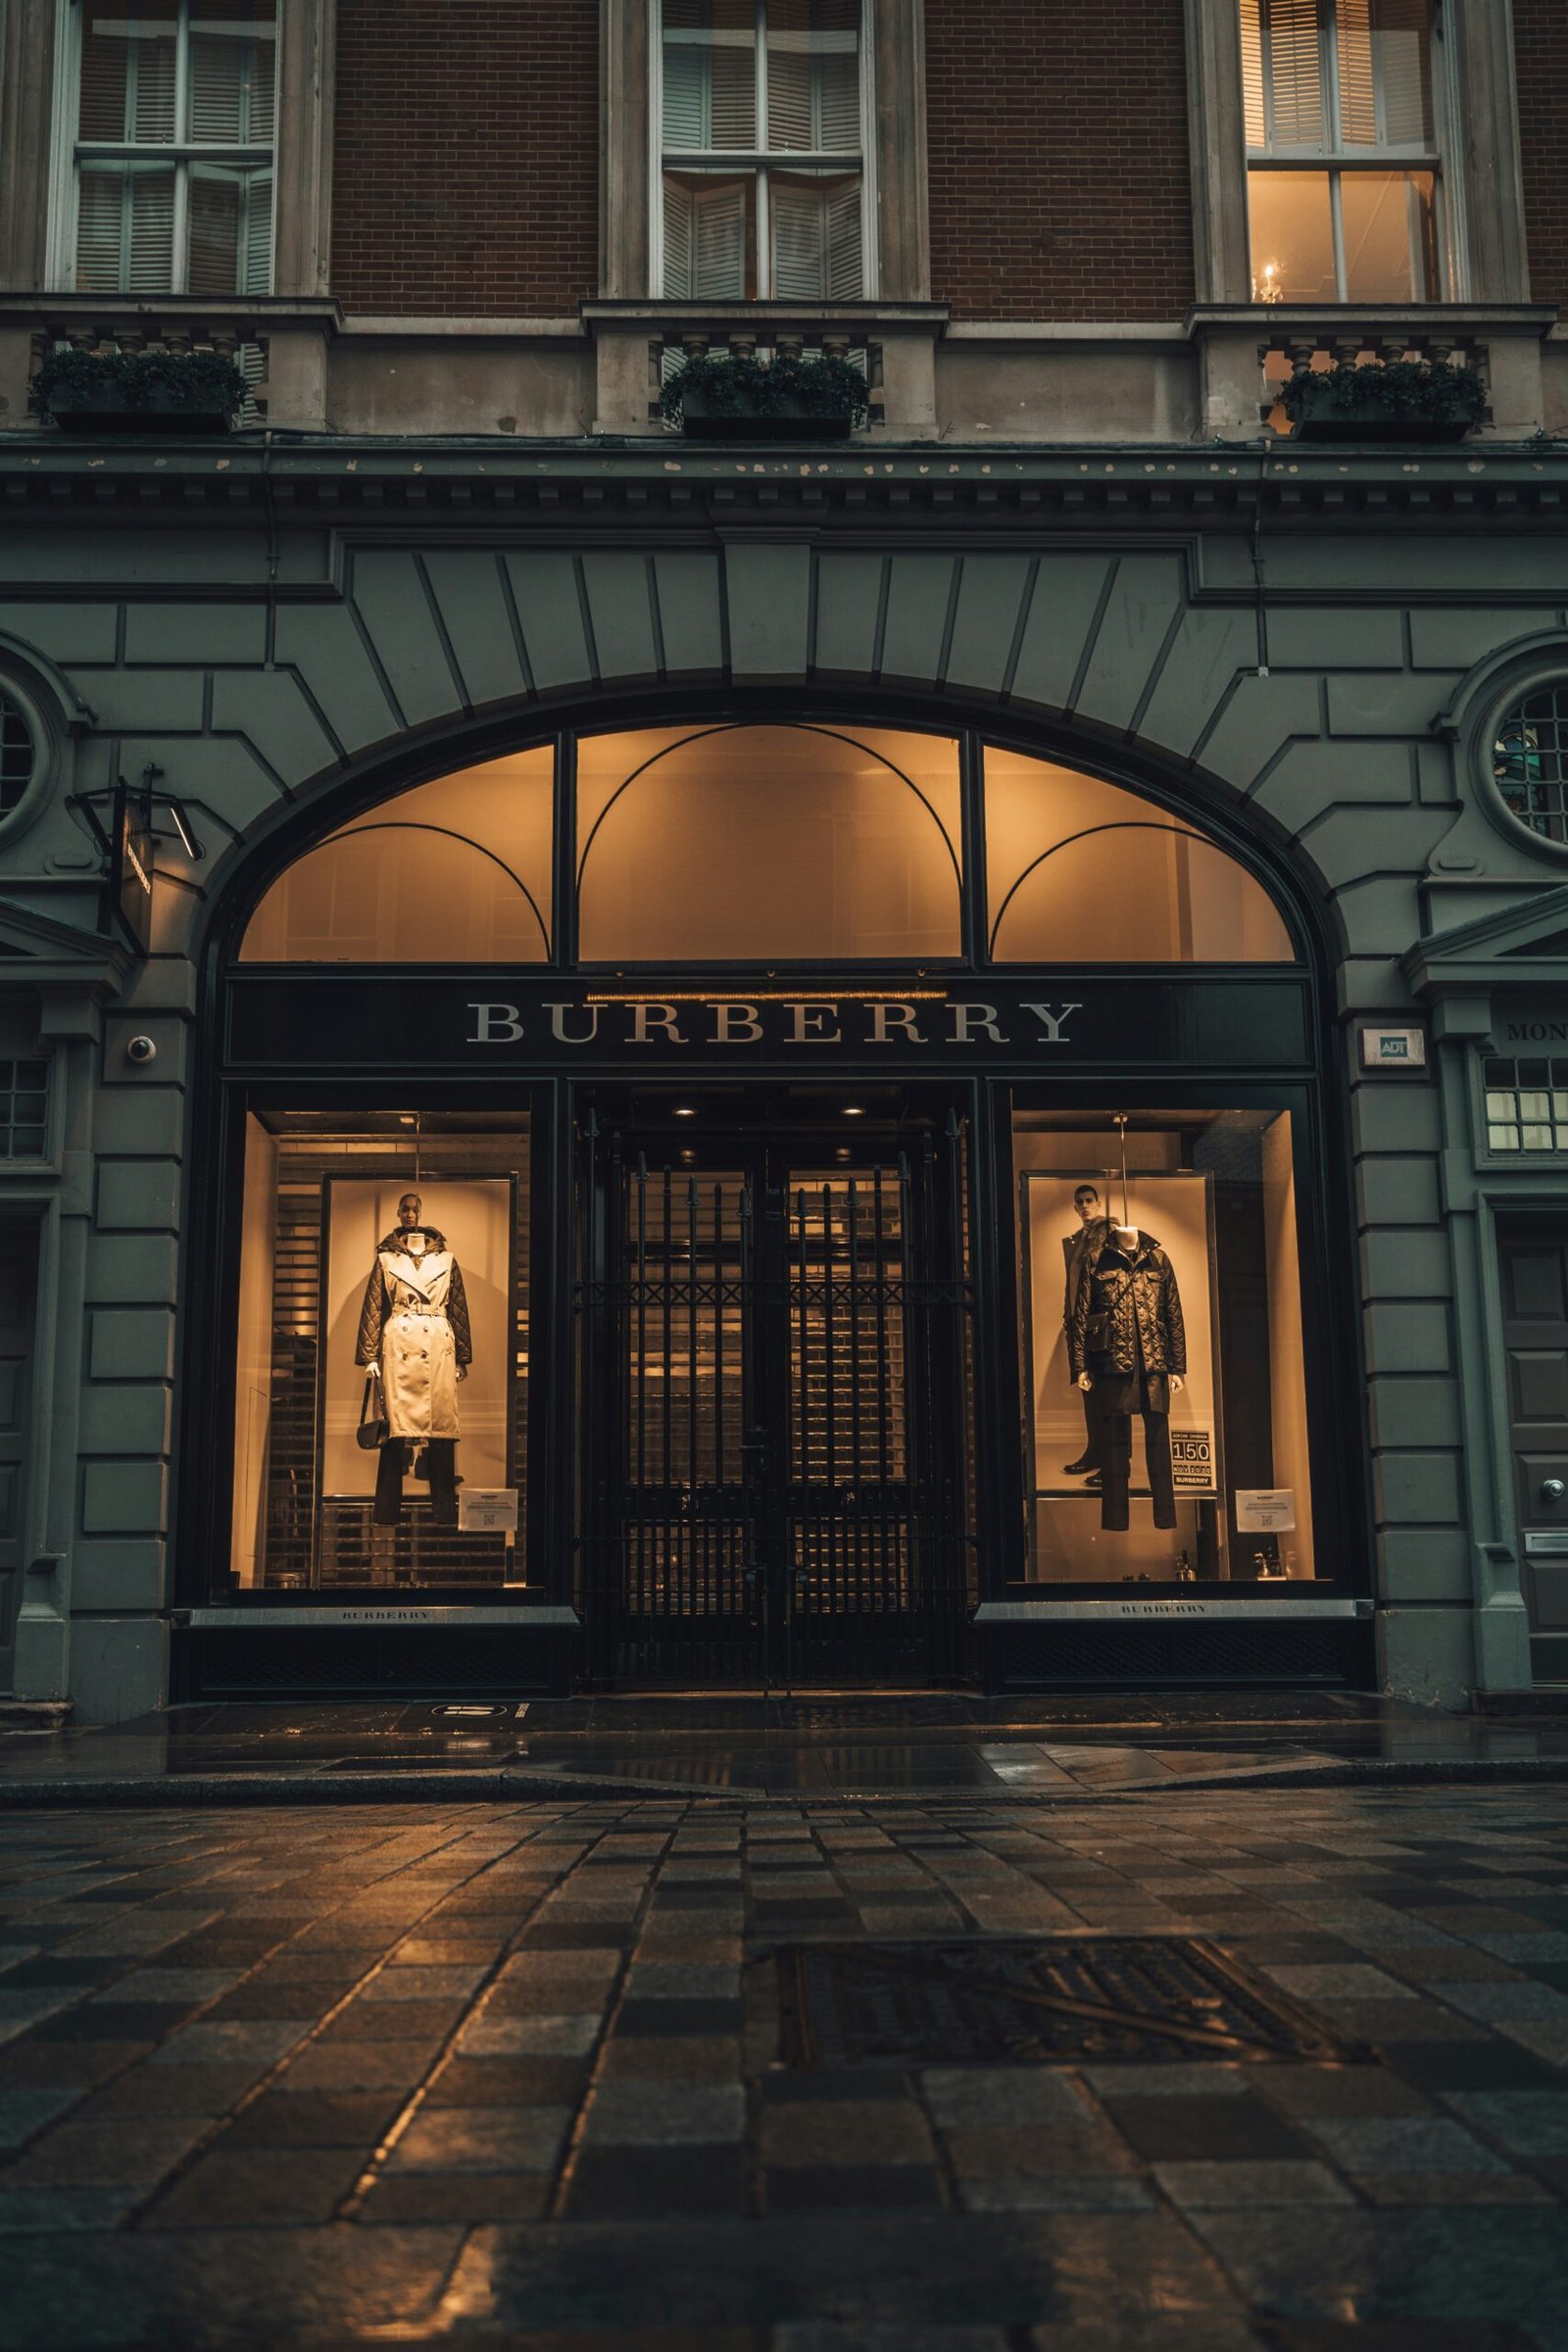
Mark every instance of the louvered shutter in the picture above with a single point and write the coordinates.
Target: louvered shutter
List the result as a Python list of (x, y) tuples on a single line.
[(152, 75), (797, 218), (1294, 73), (718, 244), (687, 112), (105, 80), (790, 125), (216, 198), (1252, 105), (100, 227), (1402, 63), (846, 271), (839, 99), (813, 75), (217, 88), (679, 210), (256, 242), (151, 258), (262, 92), (733, 106)]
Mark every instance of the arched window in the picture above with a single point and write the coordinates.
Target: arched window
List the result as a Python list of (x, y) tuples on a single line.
[(456, 871), (1080, 871), (741, 843)]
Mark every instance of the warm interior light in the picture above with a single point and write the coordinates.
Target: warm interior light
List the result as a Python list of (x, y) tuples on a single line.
[(853, 1110), (684, 1111)]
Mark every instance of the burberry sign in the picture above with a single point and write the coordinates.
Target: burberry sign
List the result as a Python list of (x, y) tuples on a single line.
[(493, 1021), (923, 1018)]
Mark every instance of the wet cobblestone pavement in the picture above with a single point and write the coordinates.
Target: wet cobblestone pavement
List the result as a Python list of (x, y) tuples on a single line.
[(919, 1743), (487, 2073)]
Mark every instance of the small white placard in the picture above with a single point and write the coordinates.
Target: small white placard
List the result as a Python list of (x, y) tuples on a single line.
[(487, 1510), (1192, 1461), (1266, 1511), (1394, 1048)]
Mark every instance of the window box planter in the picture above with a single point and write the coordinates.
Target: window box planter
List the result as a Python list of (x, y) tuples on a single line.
[(1411, 402), (141, 392), (715, 399)]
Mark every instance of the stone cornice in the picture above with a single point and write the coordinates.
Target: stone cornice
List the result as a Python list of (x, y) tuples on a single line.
[(769, 489)]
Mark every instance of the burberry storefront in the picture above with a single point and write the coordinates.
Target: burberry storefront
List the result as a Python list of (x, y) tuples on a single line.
[(768, 1199)]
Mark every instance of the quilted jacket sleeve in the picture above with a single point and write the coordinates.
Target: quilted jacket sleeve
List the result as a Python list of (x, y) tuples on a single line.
[(1171, 1299), (373, 1315), (457, 1315)]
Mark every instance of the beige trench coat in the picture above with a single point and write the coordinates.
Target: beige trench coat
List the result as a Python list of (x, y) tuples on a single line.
[(415, 1324)]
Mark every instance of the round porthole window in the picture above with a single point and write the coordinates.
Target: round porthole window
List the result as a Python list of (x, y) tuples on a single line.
[(1530, 762), (19, 755)]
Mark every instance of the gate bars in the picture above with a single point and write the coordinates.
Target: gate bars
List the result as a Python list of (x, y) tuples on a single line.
[(774, 1413)]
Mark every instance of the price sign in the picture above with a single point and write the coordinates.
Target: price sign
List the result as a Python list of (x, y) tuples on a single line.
[(1192, 1461)]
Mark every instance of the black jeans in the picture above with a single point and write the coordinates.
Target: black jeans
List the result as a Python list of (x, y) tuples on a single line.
[(1120, 1397), (438, 1463)]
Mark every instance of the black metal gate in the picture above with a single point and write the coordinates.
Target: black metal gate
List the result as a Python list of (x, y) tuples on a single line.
[(774, 1368)]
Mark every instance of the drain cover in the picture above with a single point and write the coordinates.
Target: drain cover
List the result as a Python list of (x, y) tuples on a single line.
[(1069, 1999)]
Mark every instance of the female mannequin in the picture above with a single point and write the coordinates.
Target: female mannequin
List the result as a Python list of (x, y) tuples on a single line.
[(413, 1326)]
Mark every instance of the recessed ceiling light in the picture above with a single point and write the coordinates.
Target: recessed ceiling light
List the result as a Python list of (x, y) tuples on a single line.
[(853, 1110), (684, 1111)]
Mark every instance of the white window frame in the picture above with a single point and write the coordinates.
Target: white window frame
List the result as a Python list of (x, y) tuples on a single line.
[(1334, 159), (731, 163), (68, 150)]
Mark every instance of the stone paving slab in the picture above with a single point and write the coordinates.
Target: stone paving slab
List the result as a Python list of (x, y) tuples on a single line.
[(437, 2074)]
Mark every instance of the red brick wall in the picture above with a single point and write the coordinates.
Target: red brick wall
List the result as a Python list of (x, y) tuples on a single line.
[(1058, 158), (466, 162), (1541, 39)]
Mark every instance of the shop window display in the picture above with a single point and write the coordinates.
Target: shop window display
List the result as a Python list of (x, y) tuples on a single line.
[(1164, 1374), (383, 1353)]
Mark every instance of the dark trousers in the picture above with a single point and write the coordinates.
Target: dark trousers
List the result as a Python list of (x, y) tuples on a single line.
[(438, 1463), (1091, 1455), (1120, 1398)]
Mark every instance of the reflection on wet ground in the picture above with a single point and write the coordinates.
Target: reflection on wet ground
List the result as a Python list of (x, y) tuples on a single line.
[(816, 1744)]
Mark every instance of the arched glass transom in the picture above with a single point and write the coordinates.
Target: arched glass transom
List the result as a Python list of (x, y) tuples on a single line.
[(734, 844)]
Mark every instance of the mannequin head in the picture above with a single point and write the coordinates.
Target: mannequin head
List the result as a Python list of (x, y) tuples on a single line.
[(409, 1208), (1086, 1202)]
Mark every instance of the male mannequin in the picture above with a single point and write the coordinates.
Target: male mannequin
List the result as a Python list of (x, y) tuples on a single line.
[(414, 1327), (1077, 1249), (1128, 1347)]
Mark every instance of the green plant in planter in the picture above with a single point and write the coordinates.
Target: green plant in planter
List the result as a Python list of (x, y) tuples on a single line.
[(195, 383), (722, 390), (1430, 393)]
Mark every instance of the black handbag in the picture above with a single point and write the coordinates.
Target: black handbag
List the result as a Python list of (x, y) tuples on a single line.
[(374, 1427)]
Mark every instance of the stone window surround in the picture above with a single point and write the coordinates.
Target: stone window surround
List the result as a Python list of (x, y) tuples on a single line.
[(896, 157), (1488, 237), (30, 137)]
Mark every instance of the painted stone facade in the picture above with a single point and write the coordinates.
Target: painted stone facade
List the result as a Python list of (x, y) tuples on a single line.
[(1319, 646)]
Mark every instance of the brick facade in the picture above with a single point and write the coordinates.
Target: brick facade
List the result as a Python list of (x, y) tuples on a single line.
[(466, 161), (1059, 154), (1540, 37)]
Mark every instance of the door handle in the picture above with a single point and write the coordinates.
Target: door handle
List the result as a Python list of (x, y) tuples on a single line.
[(1553, 1489)]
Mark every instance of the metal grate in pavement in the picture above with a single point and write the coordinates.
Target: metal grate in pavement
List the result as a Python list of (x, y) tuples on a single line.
[(1059, 2000)]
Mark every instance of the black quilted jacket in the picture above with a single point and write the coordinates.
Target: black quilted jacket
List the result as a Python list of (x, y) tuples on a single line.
[(1124, 1301)]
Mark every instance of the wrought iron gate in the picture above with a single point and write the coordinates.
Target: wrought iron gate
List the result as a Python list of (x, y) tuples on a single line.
[(774, 1363)]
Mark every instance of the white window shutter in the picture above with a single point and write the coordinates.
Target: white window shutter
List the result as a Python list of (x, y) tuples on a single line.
[(256, 243), (262, 110), (105, 105), (214, 217), (679, 210), (1253, 107), (217, 91), (688, 109), (846, 271), (718, 244), (1294, 69), (791, 122), (152, 73), (733, 106), (798, 216), (100, 225), (1402, 62), (839, 101), (150, 267)]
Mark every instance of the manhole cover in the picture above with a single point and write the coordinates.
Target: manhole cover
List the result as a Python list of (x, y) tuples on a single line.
[(1070, 1998)]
